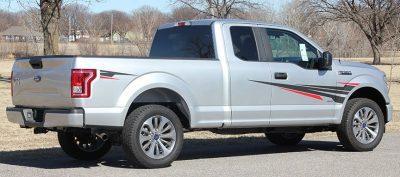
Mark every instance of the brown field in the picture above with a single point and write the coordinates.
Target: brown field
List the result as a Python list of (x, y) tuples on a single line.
[(14, 138), (384, 60)]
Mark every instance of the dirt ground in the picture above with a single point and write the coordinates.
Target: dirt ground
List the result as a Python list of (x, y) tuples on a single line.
[(14, 138), (5, 67)]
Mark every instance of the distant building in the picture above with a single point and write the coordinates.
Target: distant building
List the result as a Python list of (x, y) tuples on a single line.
[(78, 35), (116, 38), (20, 34)]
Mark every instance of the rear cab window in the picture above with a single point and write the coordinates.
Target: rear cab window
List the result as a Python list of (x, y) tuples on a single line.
[(184, 42), (244, 43)]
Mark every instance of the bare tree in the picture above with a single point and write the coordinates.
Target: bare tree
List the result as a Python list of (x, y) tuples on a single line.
[(394, 48), (121, 22), (146, 21), (8, 19), (220, 8), (298, 14), (94, 25), (183, 13), (50, 15), (74, 17), (261, 14), (371, 16)]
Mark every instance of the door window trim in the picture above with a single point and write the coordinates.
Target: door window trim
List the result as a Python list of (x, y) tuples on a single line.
[(267, 45), (259, 42)]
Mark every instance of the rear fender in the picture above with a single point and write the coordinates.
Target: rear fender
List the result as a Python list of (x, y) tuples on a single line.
[(156, 80)]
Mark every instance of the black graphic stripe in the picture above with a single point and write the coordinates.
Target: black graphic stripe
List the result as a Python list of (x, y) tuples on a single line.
[(112, 73), (328, 90), (335, 98), (346, 88)]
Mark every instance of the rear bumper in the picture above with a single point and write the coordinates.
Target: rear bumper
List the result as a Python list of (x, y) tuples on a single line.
[(48, 118)]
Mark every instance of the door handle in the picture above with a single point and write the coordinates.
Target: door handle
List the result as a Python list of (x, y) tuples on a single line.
[(281, 76)]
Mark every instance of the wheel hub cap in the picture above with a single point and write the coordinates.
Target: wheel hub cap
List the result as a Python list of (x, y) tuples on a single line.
[(157, 137), (365, 125)]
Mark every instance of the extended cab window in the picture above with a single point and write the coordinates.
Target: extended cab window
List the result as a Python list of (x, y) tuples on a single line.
[(288, 47), (183, 42), (244, 43)]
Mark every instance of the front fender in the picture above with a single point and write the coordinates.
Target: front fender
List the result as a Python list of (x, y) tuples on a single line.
[(363, 81), (369, 81)]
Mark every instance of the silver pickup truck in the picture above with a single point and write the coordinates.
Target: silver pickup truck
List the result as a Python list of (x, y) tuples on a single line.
[(225, 76)]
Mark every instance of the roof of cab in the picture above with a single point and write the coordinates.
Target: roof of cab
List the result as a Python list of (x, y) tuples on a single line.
[(241, 21), (210, 21)]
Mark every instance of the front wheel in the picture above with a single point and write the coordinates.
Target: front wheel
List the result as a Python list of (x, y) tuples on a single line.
[(83, 146), (362, 125), (285, 139)]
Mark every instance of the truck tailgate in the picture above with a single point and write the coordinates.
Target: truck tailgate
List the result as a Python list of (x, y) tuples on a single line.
[(42, 82)]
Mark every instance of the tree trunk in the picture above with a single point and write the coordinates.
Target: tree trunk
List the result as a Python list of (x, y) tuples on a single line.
[(377, 54), (50, 17)]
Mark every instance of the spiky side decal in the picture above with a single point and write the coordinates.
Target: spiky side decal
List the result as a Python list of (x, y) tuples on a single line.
[(110, 74), (317, 92)]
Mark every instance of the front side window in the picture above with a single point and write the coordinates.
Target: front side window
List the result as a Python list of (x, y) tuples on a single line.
[(290, 48), (195, 42), (244, 43)]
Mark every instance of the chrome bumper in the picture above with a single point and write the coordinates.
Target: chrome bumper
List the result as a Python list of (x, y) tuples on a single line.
[(48, 118)]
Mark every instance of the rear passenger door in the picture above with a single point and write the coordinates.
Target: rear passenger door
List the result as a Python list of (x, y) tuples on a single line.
[(301, 92), (250, 101)]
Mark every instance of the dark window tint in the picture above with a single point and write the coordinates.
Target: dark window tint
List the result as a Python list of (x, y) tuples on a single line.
[(244, 44), (288, 47), (183, 42)]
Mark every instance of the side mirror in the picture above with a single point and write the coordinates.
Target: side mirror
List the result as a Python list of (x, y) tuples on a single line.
[(326, 61)]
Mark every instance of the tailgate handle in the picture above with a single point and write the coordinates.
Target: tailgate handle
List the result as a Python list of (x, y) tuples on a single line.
[(36, 63)]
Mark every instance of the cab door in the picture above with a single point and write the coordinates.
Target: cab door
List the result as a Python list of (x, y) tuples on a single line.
[(250, 101), (302, 94)]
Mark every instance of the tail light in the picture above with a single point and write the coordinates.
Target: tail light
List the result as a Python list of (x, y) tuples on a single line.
[(12, 83), (81, 80)]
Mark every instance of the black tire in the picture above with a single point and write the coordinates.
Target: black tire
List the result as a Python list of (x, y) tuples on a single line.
[(345, 130), (131, 133), (285, 139), (69, 144)]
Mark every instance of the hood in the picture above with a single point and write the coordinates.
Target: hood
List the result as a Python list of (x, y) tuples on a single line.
[(354, 64)]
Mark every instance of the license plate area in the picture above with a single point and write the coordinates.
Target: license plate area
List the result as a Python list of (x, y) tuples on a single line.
[(33, 115)]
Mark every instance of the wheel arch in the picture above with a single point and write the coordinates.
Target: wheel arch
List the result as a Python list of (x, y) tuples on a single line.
[(162, 89), (165, 97), (372, 94)]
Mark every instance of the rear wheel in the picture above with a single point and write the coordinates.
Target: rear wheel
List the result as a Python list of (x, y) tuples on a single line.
[(152, 136), (285, 139), (83, 146), (362, 125)]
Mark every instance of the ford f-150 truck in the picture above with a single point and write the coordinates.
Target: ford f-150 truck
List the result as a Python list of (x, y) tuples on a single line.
[(225, 76)]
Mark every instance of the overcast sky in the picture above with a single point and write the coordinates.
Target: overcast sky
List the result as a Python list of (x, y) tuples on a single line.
[(122, 5)]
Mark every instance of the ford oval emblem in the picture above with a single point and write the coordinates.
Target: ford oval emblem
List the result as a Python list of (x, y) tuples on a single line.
[(37, 78)]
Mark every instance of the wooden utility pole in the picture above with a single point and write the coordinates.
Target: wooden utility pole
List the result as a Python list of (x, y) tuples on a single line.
[(111, 28)]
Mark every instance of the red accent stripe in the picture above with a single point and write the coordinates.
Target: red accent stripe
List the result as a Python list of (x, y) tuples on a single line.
[(349, 83), (106, 77), (314, 96)]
